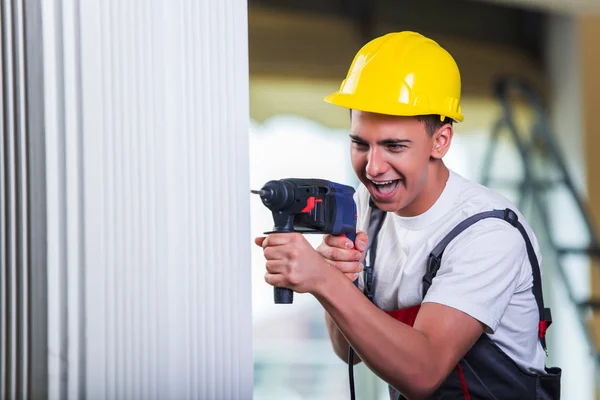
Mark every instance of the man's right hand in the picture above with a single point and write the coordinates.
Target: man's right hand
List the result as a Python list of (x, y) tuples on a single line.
[(344, 255)]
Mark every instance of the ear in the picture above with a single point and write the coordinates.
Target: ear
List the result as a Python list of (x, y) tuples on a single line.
[(441, 141)]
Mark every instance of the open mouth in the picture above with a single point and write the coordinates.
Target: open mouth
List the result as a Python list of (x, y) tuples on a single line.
[(386, 188)]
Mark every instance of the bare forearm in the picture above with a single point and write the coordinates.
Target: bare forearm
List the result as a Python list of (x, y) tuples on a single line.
[(397, 353), (339, 342)]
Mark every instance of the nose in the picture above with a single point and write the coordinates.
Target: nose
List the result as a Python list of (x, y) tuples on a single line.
[(375, 163)]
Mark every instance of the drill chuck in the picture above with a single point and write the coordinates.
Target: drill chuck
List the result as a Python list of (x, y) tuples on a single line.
[(276, 195)]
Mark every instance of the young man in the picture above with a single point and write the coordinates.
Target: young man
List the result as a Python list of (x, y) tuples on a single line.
[(450, 317)]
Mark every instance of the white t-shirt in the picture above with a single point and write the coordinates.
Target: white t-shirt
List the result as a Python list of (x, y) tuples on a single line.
[(485, 271)]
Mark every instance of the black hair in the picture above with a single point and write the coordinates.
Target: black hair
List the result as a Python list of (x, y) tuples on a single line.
[(432, 122)]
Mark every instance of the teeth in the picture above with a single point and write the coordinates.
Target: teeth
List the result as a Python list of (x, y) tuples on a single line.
[(382, 183)]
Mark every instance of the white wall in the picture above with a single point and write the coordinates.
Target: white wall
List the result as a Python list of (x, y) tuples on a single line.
[(146, 119)]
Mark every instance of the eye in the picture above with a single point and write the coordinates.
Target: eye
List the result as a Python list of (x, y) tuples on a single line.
[(395, 147), (360, 145)]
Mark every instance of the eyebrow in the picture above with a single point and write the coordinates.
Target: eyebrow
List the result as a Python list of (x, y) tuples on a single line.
[(383, 142)]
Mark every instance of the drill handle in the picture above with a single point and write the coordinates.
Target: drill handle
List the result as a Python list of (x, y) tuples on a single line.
[(284, 222), (283, 295)]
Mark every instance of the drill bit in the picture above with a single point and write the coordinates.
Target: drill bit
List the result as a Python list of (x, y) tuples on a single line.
[(258, 192)]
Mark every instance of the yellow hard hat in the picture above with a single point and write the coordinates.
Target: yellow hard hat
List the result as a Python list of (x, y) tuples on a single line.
[(402, 73)]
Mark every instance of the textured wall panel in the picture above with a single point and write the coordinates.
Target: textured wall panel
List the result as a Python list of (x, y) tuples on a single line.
[(14, 199), (148, 215)]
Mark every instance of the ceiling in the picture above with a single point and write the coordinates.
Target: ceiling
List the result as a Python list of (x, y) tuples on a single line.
[(490, 21), (573, 7)]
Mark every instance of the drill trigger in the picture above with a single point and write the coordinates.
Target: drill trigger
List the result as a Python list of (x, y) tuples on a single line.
[(310, 204)]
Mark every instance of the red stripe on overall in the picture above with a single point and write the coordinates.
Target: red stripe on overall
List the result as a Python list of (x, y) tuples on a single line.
[(408, 316)]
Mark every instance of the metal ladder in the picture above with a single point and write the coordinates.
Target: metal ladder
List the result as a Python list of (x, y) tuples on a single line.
[(543, 170)]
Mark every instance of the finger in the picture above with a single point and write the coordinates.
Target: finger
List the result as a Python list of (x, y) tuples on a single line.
[(348, 267), (275, 266), (280, 239), (259, 240), (352, 277), (276, 280), (361, 241), (274, 253), (341, 242), (337, 254), (330, 262)]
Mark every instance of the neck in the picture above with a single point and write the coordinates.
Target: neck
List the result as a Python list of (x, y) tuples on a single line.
[(435, 182)]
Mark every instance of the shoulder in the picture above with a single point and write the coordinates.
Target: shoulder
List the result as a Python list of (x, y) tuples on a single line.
[(474, 198), (491, 244), (489, 238), (480, 271)]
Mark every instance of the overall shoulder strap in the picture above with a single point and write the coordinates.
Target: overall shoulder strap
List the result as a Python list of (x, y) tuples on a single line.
[(375, 223), (435, 258)]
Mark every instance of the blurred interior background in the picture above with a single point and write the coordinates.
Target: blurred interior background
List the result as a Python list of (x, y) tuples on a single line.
[(530, 92), (132, 132)]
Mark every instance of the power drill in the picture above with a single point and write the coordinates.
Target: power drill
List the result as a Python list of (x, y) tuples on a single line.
[(309, 206)]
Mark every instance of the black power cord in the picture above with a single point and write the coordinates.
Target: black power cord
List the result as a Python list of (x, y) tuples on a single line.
[(351, 371)]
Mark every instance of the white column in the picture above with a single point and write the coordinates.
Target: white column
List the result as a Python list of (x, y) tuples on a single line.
[(16, 205), (148, 199)]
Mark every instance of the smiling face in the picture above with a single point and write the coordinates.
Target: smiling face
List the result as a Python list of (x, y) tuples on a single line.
[(399, 161)]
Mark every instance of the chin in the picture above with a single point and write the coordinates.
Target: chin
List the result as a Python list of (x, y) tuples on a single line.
[(388, 206)]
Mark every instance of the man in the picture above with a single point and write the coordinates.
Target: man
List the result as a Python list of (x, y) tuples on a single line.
[(450, 317)]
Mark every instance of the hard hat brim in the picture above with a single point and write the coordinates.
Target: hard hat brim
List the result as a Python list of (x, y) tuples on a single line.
[(399, 109)]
